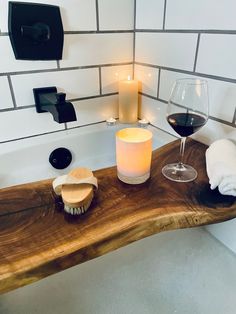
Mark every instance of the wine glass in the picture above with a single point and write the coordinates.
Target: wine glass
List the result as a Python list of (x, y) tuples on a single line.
[(187, 112)]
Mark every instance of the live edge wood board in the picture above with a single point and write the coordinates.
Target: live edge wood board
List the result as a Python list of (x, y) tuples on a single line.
[(38, 239)]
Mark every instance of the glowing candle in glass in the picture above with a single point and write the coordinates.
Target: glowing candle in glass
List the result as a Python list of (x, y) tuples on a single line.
[(133, 155)]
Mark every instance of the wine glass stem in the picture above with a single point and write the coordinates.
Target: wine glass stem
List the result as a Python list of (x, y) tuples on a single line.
[(181, 152)]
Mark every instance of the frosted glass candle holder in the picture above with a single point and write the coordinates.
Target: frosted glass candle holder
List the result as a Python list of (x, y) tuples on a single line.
[(133, 155)]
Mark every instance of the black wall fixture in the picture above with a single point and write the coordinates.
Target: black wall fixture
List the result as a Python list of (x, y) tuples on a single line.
[(36, 31)]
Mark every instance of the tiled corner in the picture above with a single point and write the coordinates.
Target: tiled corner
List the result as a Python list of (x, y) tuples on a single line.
[(112, 75), (75, 83), (148, 78), (95, 110), (201, 14), (216, 55), (77, 15), (166, 49), (116, 15), (149, 14), (8, 63), (90, 49), (222, 95), (26, 122), (5, 94)]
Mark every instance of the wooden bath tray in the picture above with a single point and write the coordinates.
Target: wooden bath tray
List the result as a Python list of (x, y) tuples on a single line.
[(37, 239)]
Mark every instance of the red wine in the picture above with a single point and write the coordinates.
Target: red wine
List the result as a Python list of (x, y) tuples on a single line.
[(186, 124)]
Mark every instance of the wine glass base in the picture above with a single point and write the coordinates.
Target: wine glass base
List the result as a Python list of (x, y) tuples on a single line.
[(179, 173)]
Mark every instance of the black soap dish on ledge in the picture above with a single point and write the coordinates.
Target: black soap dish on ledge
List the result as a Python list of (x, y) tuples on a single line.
[(36, 31)]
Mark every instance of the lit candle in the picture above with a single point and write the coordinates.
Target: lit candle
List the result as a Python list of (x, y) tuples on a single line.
[(111, 121), (143, 123), (128, 101), (133, 155)]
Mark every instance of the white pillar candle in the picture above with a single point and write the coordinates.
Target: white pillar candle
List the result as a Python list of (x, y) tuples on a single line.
[(128, 101), (133, 155)]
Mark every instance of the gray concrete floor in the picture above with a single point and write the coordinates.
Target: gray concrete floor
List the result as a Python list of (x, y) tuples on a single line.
[(183, 271)]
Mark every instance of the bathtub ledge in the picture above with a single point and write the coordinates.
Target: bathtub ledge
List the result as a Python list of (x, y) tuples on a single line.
[(38, 239)]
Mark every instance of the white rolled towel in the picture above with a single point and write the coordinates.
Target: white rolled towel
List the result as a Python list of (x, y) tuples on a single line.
[(221, 166)]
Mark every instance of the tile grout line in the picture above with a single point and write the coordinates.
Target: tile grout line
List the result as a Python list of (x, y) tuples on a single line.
[(71, 100), (100, 80), (234, 118), (66, 69), (17, 108), (52, 132), (89, 32), (12, 92), (147, 30), (120, 31), (158, 83), (164, 15), (97, 14), (186, 31), (196, 54), (222, 121), (93, 97), (210, 76)]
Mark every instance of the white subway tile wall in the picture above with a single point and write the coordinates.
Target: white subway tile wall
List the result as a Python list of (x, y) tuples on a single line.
[(116, 15), (201, 14), (8, 63), (93, 49), (95, 110), (77, 83), (98, 39), (148, 78), (222, 94), (196, 39), (166, 49), (149, 14), (192, 42), (5, 94), (24, 123), (216, 55), (213, 131)]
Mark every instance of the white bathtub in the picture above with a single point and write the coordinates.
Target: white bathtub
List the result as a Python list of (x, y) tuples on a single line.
[(91, 146), (184, 271)]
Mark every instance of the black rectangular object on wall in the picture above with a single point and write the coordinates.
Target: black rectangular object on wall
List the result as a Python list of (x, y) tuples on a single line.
[(36, 31)]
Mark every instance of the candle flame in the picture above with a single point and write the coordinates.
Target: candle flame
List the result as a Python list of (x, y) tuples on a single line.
[(129, 78)]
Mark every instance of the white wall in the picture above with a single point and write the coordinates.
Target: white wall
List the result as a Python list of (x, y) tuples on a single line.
[(98, 51), (188, 38)]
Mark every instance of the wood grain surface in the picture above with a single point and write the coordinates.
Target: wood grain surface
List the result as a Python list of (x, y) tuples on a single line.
[(38, 239)]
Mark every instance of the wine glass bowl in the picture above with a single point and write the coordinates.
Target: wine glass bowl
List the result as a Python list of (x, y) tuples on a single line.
[(187, 112)]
